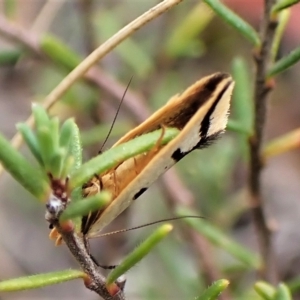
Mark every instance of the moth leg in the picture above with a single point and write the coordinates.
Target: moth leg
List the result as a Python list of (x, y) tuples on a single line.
[(157, 145), (88, 249), (89, 189), (116, 186), (54, 235), (136, 169), (92, 187), (98, 182)]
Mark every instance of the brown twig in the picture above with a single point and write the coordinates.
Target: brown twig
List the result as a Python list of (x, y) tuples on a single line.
[(263, 59), (95, 281)]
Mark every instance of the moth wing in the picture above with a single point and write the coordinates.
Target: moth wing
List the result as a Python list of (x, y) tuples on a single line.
[(200, 113)]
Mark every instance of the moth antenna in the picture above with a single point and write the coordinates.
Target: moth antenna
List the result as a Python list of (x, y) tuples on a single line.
[(115, 117), (133, 228), (145, 225)]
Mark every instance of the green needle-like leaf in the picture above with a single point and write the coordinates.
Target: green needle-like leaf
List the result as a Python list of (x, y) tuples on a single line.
[(75, 146), (140, 252), (114, 156), (85, 206), (234, 20), (31, 141), (283, 20), (56, 162), (29, 177), (284, 63), (54, 129), (220, 239), (59, 52), (46, 145), (265, 290), (282, 293), (41, 117), (214, 291), (40, 280), (283, 4), (66, 133), (235, 126), (242, 97)]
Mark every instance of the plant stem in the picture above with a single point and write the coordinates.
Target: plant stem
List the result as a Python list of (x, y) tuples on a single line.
[(263, 58), (79, 251)]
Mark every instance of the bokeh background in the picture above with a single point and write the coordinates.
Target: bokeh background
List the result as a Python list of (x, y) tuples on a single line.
[(215, 178)]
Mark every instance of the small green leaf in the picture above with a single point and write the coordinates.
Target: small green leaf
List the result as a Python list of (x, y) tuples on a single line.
[(31, 141), (284, 63), (59, 52), (282, 293), (66, 133), (235, 126), (220, 239), (41, 117), (54, 130), (29, 177), (265, 290), (67, 167), (75, 147), (234, 20), (10, 57), (141, 251), (114, 156), (85, 206), (46, 145), (40, 280), (242, 96), (56, 162), (283, 4), (214, 291), (283, 19)]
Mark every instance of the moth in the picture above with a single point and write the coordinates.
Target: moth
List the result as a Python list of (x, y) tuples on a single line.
[(200, 113)]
